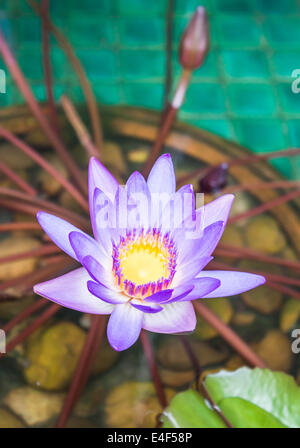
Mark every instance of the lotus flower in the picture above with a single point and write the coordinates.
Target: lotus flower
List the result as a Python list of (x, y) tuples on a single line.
[(142, 268)]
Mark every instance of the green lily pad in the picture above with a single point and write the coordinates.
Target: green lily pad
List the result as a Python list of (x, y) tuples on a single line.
[(258, 398)]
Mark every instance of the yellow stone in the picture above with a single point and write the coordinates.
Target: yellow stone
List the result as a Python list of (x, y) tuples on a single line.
[(34, 407), (12, 307), (264, 234), (105, 358), (275, 350), (134, 405), (173, 356), (243, 318), (14, 157), (53, 354), (48, 183), (112, 156), (222, 308), (8, 420), (289, 314), (15, 245), (232, 236), (263, 299), (138, 155), (176, 379)]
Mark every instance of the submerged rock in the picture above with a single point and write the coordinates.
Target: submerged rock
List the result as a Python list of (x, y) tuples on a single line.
[(263, 299), (34, 406), (289, 315), (222, 308), (8, 420), (264, 234), (134, 405), (53, 354), (275, 350), (48, 183), (15, 245)]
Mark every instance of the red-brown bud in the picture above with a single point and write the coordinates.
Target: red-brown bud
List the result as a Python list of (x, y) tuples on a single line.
[(214, 180), (194, 42)]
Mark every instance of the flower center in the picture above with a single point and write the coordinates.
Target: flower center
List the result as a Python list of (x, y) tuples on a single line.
[(144, 262)]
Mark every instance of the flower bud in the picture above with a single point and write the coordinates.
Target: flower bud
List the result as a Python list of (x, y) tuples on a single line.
[(214, 180), (194, 43)]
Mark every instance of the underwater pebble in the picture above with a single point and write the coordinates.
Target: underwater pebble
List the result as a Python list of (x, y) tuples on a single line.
[(242, 202), (91, 399), (134, 405), (34, 406), (48, 183), (172, 355), (113, 158), (138, 155), (53, 354), (68, 202), (176, 379), (12, 307), (8, 420), (289, 314), (263, 299), (105, 358), (263, 234), (222, 308), (15, 245), (14, 157), (243, 318), (275, 350)]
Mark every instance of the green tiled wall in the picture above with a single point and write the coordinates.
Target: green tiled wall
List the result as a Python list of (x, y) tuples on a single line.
[(243, 92)]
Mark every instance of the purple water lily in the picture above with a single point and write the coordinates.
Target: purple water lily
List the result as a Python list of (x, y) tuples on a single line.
[(145, 264)]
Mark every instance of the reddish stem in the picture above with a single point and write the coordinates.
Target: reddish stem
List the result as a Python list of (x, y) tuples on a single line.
[(229, 335), (78, 126), (26, 91), (47, 64), (242, 252), (24, 314), (51, 310), (13, 226), (44, 250), (285, 184), (163, 131), (285, 289), (43, 204), (153, 369), (79, 70), (259, 157), (266, 206), (45, 165), (21, 183), (85, 363)]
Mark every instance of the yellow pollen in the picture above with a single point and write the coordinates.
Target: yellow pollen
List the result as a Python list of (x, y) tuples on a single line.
[(141, 264)]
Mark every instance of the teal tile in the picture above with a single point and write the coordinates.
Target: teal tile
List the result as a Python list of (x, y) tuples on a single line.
[(28, 29), (92, 31), (285, 167), (283, 32), (294, 132), (182, 7), (238, 30), (30, 60), (107, 93), (220, 127), (285, 61), (245, 64), (96, 6), (260, 135), (235, 6), (278, 6), (251, 99), (205, 98), (99, 64), (143, 94), (142, 64), (141, 7), (289, 101), (140, 32)]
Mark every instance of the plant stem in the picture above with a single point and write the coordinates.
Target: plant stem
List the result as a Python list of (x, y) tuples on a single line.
[(30, 152), (285, 184), (47, 65), (26, 91), (46, 315), (43, 250), (79, 70), (266, 206), (229, 335), (13, 226), (153, 369), (24, 314), (21, 183), (80, 129), (85, 363)]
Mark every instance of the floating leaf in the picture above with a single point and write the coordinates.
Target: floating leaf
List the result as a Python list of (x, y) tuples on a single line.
[(258, 398)]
